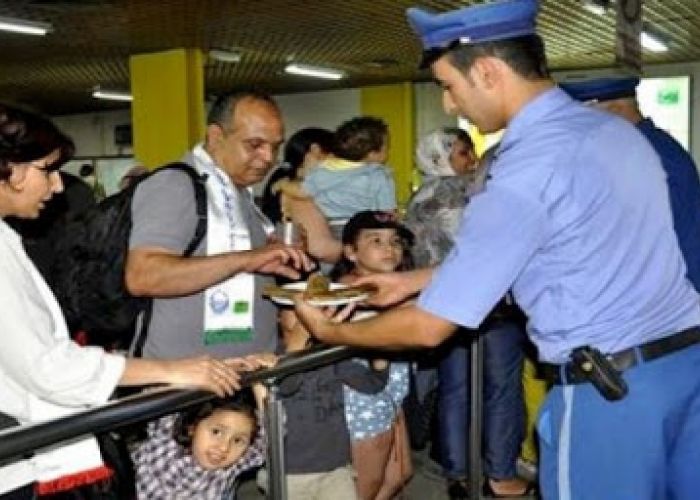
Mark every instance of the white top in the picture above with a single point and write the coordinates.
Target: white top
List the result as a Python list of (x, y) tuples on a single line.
[(43, 374)]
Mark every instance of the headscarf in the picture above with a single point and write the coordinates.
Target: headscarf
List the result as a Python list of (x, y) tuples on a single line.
[(433, 153), (435, 210)]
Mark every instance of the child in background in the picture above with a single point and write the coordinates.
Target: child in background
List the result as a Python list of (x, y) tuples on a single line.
[(199, 454), (353, 177), (317, 444), (373, 242)]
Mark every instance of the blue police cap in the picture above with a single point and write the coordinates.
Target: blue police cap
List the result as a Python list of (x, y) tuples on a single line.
[(601, 89), (485, 22)]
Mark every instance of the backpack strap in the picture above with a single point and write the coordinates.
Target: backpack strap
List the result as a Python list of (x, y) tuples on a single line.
[(200, 198)]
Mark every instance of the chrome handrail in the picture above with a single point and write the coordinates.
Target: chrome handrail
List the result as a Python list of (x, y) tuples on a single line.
[(19, 442)]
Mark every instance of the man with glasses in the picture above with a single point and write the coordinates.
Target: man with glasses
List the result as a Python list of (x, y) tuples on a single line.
[(210, 303), (575, 218)]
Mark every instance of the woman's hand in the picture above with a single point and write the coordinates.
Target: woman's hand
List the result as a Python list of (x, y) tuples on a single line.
[(255, 361), (320, 243), (216, 375)]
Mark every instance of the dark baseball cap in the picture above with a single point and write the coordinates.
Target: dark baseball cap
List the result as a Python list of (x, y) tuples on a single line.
[(374, 219)]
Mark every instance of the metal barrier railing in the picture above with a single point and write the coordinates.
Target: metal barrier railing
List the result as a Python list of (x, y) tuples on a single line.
[(19, 442)]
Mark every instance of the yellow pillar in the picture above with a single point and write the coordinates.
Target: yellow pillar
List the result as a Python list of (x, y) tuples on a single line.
[(535, 390), (167, 113), (394, 105)]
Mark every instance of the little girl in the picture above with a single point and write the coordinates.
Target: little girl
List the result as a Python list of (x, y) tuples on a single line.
[(200, 453), (373, 242)]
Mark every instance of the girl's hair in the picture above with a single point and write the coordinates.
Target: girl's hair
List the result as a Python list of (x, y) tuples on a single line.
[(373, 219), (26, 137), (241, 402), (294, 152)]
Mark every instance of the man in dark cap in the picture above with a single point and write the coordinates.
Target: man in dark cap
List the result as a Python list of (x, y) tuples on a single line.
[(583, 235), (619, 96)]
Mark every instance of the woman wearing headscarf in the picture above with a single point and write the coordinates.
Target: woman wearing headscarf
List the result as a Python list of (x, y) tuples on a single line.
[(451, 175)]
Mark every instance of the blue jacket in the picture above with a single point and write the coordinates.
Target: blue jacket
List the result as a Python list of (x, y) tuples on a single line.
[(684, 190)]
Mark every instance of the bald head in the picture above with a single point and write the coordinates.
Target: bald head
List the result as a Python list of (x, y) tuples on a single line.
[(244, 133)]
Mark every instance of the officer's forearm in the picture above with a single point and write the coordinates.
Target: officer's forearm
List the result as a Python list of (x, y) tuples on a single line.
[(397, 329)]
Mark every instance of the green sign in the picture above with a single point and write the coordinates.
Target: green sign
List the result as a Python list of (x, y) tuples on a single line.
[(668, 96)]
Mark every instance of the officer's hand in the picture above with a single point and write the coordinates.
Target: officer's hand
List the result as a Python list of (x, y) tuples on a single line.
[(392, 288)]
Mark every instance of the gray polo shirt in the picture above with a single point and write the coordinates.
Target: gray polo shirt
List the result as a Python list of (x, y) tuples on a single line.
[(164, 214)]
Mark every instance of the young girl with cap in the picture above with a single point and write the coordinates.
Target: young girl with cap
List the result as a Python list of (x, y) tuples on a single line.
[(374, 242)]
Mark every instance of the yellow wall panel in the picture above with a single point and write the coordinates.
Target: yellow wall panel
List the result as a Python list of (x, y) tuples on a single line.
[(394, 105), (168, 108)]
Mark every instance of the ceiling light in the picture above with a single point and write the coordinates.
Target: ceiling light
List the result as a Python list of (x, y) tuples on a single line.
[(226, 56), (597, 7), (314, 71), (111, 95), (23, 26), (652, 42)]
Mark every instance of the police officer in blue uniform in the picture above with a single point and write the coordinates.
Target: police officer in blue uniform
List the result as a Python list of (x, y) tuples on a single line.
[(582, 232), (618, 95)]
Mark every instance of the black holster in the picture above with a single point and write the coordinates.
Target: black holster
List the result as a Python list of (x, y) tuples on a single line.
[(590, 364)]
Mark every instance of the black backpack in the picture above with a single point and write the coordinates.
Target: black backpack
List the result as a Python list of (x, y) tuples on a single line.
[(90, 257)]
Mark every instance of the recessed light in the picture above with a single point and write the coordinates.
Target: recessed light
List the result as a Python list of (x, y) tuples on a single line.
[(23, 26), (652, 43), (314, 71), (112, 95), (226, 56)]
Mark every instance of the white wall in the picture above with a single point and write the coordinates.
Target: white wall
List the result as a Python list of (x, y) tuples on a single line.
[(93, 133), (326, 109), (428, 109)]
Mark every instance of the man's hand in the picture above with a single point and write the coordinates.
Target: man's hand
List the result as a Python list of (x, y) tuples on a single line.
[(279, 259)]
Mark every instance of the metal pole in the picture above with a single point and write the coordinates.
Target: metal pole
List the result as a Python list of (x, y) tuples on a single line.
[(476, 415), (274, 424)]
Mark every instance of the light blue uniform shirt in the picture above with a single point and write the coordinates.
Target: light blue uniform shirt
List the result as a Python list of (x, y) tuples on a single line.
[(576, 219)]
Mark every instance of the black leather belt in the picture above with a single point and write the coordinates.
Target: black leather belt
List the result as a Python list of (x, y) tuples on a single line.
[(568, 374)]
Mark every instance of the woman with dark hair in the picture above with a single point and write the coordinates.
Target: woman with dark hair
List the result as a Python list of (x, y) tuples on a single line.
[(43, 374), (305, 148)]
